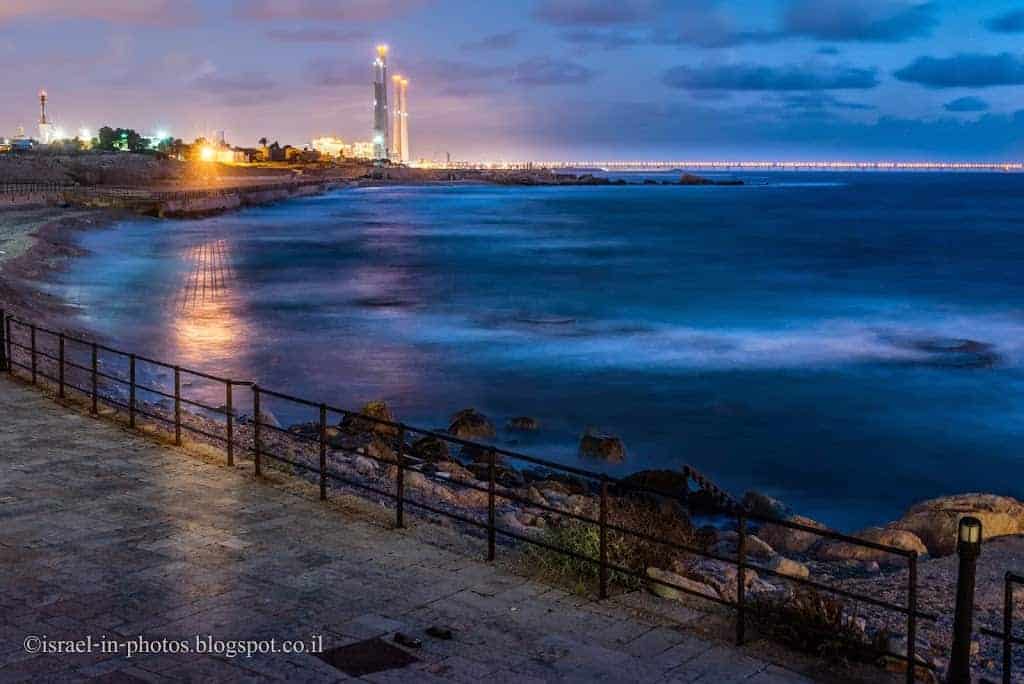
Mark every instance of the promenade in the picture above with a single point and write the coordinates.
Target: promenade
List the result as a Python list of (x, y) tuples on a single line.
[(109, 535)]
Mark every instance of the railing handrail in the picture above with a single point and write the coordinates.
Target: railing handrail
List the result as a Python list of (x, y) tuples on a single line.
[(741, 515)]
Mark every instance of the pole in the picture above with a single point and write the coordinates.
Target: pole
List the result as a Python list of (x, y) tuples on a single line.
[(604, 537), (95, 379), (323, 452), (1008, 629), (60, 362), (10, 345), (741, 580), (230, 423), (177, 406), (912, 618), (491, 533), (131, 390), (256, 428), (32, 344), (400, 480), (4, 365), (968, 548)]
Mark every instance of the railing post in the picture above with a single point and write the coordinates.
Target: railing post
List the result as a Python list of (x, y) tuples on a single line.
[(604, 537), (911, 617), (968, 548), (230, 422), (177, 406), (10, 345), (741, 580), (1008, 629), (131, 390), (256, 429), (491, 534), (95, 379), (400, 479), (60, 363), (4, 365), (32, 345), (323, 452)]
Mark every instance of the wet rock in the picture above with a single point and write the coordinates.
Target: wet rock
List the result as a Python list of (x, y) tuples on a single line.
[(901, 539), (787, 540), (503, 475), (431, 449), (374, 411), (667, 592), (790, 568), (669, 482), (936, 521), (523, 424), (471, 424), (764, 505), (693, 179), (604, 447)]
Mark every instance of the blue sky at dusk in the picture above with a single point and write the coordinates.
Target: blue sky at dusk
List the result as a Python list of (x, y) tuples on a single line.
[(539, 79)]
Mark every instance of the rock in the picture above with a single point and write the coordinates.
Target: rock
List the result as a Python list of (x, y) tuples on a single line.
[(672, 594), (764, 505), (431, 449), (454, 471), (756, 548), (788, 540), (381, 449), (669, 482), (471, 424), (378, 411), (692, 179), (790, 568), (722, 577), (605, 447), (503, 475), (842, 551), (935, 521), (523, 424), (366, 467)]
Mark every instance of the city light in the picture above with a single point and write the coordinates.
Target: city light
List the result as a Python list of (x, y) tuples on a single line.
[(58, 134), (162, 135), (207, 153), (84, 134)]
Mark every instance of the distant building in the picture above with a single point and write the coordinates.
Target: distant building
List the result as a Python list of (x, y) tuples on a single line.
[(47, 132), (364, 150), (400, 121), (331, 147), (381, 147)]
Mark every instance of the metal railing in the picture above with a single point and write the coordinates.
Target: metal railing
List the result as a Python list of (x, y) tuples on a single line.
[(55, 360), (1007, 635)]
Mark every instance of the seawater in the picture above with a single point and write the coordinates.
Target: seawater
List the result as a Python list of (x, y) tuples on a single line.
[(849, 343)]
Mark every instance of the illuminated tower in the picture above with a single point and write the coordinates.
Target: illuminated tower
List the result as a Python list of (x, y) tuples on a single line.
[(403, 106), (380, 104), (396, 120), (45, 127)]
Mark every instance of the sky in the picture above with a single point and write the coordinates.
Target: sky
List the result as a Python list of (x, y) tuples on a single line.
[(538, 79)]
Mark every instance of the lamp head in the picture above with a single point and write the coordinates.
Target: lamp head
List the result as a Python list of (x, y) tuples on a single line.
[(969, 535)]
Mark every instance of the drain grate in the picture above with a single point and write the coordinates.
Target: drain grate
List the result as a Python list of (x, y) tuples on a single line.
[(367, 657)]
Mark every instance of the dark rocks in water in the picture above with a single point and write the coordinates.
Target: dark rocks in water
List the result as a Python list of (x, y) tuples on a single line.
[(478, 454), (561, 482), (668, 482), (692, 179), (764, 505), (523, 424), (471, 424), (605, 447), (431, 449), (958, 353), (503, 475), (376, 411), (266, 418)]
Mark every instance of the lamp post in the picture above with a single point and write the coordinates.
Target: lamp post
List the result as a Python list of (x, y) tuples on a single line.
[(968, 547)]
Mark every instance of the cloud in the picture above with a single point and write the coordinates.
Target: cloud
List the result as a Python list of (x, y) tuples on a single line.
[(753, 77), (247, 82), (966, 104), (315, 35), (544, 71), (879, 21), (1008, 22), (965, 70), (495, 41), (828, 50), (131, 12), (606, 40), (331, 72), (325, 10), (594, 12), (821, 102)]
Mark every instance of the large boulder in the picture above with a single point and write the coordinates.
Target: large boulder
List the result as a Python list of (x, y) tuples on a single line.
[(936, 521), (523, 424), (375, 411), (604, 447), (668, 482), (471, 424), (788, 540), (431, 449), (764, 505), (722, 577), (843, 551), (668, 592)]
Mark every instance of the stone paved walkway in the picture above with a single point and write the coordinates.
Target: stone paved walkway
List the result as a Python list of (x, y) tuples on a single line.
[(110, 535)]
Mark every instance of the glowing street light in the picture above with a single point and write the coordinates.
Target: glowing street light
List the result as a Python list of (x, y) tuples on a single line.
[(84, 134), (207, 153)]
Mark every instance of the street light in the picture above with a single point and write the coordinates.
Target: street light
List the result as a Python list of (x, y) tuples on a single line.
[(968, 547)]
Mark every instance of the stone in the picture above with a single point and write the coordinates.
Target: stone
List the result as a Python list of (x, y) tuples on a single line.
[(720, 576), (788, 540), (672, 594), (756, 548), (377, 411), (669, 482), (503, 475), (454, 471), (604, 447), (764, 505), (936, 521), (471, 424), (790, 568), (523, 424), (366, 467), (431, 449), (842, 551)]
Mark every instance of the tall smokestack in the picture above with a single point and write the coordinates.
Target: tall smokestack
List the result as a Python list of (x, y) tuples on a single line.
[(396, 120), (42, 107), (380, 104), (403, 105)]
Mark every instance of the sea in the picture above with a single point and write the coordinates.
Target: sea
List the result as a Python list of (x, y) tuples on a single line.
[(850, 343)]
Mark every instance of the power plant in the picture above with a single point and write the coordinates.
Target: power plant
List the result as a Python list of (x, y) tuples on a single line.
[(390, 125), (46, 129)]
